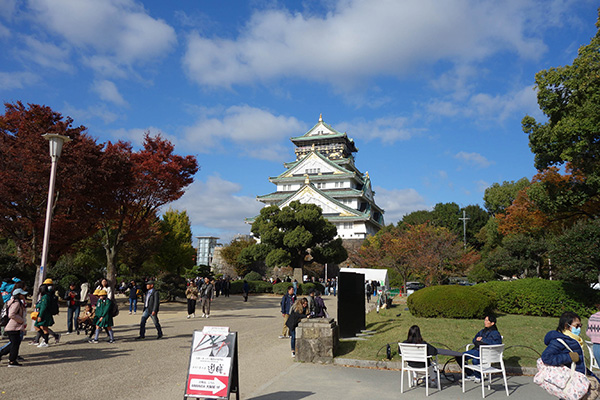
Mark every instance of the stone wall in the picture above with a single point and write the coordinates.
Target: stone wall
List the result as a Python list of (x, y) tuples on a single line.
[(317, 340)]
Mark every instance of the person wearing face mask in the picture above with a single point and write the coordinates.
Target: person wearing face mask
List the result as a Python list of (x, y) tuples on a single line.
[(556, 353)]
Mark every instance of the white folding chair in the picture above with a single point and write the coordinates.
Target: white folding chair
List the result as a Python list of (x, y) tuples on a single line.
[(417, 353), (593, 361), (488, 355)]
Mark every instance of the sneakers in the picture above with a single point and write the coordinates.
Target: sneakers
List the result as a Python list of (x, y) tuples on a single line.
[(206, 316), (189, 316), (293, 354), (57, 338), (111, 341), (14, 364), (92, 341), (282, 337), (33, 342), (129, 312), (159, 337), (42, 343), (476, 379), (203, 316), (193, 315)]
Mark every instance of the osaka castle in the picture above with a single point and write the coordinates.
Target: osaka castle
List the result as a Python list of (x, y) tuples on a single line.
[(324, 174)]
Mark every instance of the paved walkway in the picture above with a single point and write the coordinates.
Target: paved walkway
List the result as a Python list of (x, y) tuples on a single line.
[(156, 369)]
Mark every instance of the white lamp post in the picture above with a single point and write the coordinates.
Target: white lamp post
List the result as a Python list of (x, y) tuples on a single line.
[(56, 143)]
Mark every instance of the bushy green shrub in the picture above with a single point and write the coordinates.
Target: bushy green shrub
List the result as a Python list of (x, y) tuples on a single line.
[(253, 276), (255, 287), (541, 297), (281, 287), (304, 288), (171, 286), (450, 301)]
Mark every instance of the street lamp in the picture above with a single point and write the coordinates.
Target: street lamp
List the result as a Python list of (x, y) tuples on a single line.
[(56, 143)]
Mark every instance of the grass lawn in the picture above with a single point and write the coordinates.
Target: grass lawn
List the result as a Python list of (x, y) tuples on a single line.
[(523, 335)]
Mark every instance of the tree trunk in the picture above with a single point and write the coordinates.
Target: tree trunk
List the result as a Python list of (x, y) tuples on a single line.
[(111, 266)]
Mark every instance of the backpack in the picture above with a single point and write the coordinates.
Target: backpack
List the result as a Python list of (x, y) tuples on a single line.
[(4, 315), (53, 306), (114, 309)]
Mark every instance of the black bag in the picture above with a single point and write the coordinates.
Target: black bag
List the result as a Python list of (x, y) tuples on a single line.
[(4, 315), (53, 306), (114, 309)]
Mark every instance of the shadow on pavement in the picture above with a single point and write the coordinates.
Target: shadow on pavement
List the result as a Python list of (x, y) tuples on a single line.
[(75, 355), (294, 395)]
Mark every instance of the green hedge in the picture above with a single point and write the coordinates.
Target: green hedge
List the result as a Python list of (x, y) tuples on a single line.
[(541, 297), (281, 287), (303, 288), (450, 301), (255, 287)]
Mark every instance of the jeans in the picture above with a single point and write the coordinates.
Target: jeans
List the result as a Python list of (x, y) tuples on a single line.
[(293, 339), (132, 305), (473, 352), (596, 351), (147, 314), (72, 315)]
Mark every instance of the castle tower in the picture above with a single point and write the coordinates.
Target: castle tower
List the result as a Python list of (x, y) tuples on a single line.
[(324, 174)]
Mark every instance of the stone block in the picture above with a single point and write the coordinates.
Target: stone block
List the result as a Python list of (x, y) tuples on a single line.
[(317, 340)]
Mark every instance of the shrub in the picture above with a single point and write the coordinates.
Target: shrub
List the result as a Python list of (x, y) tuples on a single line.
[(304, 288), (171, 286), (253, 276), (450, 301), (281, 287), (541, 297), (255, 287)]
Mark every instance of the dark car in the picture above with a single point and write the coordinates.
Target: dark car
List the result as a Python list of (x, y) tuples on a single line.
[(414, 285)]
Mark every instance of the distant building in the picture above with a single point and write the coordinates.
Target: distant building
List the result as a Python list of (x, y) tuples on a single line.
[(324, 174), (206, 249)]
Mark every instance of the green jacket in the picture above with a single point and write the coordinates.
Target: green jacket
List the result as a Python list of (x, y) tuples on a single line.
[(103, 311), (45, 314)]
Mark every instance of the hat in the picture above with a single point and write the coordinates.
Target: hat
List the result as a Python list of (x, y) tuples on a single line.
[(48, 281), (150, 283), (19, 291), (96, 292), (102, 292)]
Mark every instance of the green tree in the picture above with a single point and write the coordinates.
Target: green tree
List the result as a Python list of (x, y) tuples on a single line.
[(295, 235), (498, 197), (175, 253), (447, 215), (575, 255), (569, 96), (478, 218), (520, 254), (416, 218), (231, 255)]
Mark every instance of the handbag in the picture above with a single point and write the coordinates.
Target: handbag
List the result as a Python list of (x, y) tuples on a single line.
[(561, 381), (35, 315)]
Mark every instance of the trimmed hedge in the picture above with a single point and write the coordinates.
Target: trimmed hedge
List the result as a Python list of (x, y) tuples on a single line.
[(303, 288), (450, 301), (281, 287), (541, 297), (253, 276), (255, 287)]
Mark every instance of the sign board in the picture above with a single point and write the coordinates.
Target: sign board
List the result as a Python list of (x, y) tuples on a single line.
[(213, 367)]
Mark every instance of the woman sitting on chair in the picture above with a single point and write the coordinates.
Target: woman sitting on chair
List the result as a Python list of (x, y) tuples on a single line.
[(414, 336)]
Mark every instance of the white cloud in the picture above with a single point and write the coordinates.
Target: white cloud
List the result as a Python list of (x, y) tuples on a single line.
[(257, 132), (388, 130), (17, 80), (475, 159), (7, 8), (216, 207), (45, 54), (360, 39), (398, 202), (115, 33), (108, 91), (136, 135), (94, 111), (482, 185)]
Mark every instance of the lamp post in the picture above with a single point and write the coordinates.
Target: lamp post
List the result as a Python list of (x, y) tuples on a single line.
[(56, 143)]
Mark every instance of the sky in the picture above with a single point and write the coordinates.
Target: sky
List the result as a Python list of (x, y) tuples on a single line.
[(432, 92)]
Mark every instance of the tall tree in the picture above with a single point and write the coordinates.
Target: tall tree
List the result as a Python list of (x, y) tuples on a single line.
[(569, 96), (231, 255), (81, 182), (498, 197), (575, 254), (294, 235), (175, 253), (155, 176)]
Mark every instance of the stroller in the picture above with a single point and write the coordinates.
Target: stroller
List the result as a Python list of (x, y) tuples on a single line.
[(86, 323)]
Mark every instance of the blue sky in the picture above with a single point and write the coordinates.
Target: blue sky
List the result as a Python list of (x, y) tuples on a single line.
[(432, 92)]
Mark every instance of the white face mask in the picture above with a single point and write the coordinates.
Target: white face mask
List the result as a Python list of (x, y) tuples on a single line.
[(50, 287)]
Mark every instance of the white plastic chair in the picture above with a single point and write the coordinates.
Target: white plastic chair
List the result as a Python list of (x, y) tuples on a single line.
[(593, 361), (488, 355), (417, 353)]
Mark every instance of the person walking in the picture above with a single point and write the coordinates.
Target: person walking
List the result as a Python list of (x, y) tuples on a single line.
[(44, 319), (104, 318), (16, 326), (286, 304), (246, 290), (593, 332), (298, 311), (207, 293), (72, 297), (151, 306), (192, 296)]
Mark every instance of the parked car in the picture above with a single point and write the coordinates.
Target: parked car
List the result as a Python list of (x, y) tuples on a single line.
[(414, 286)]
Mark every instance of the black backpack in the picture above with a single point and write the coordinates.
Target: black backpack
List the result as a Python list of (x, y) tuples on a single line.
[(114, 308), (53, 306)]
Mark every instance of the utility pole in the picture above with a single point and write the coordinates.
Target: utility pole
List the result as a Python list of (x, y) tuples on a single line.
[(464, 220)]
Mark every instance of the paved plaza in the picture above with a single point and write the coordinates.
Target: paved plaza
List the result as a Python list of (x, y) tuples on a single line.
[(156, 369)]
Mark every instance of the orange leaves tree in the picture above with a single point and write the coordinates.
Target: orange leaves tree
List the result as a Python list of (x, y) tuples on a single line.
[(149, 179), (422, 251)]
